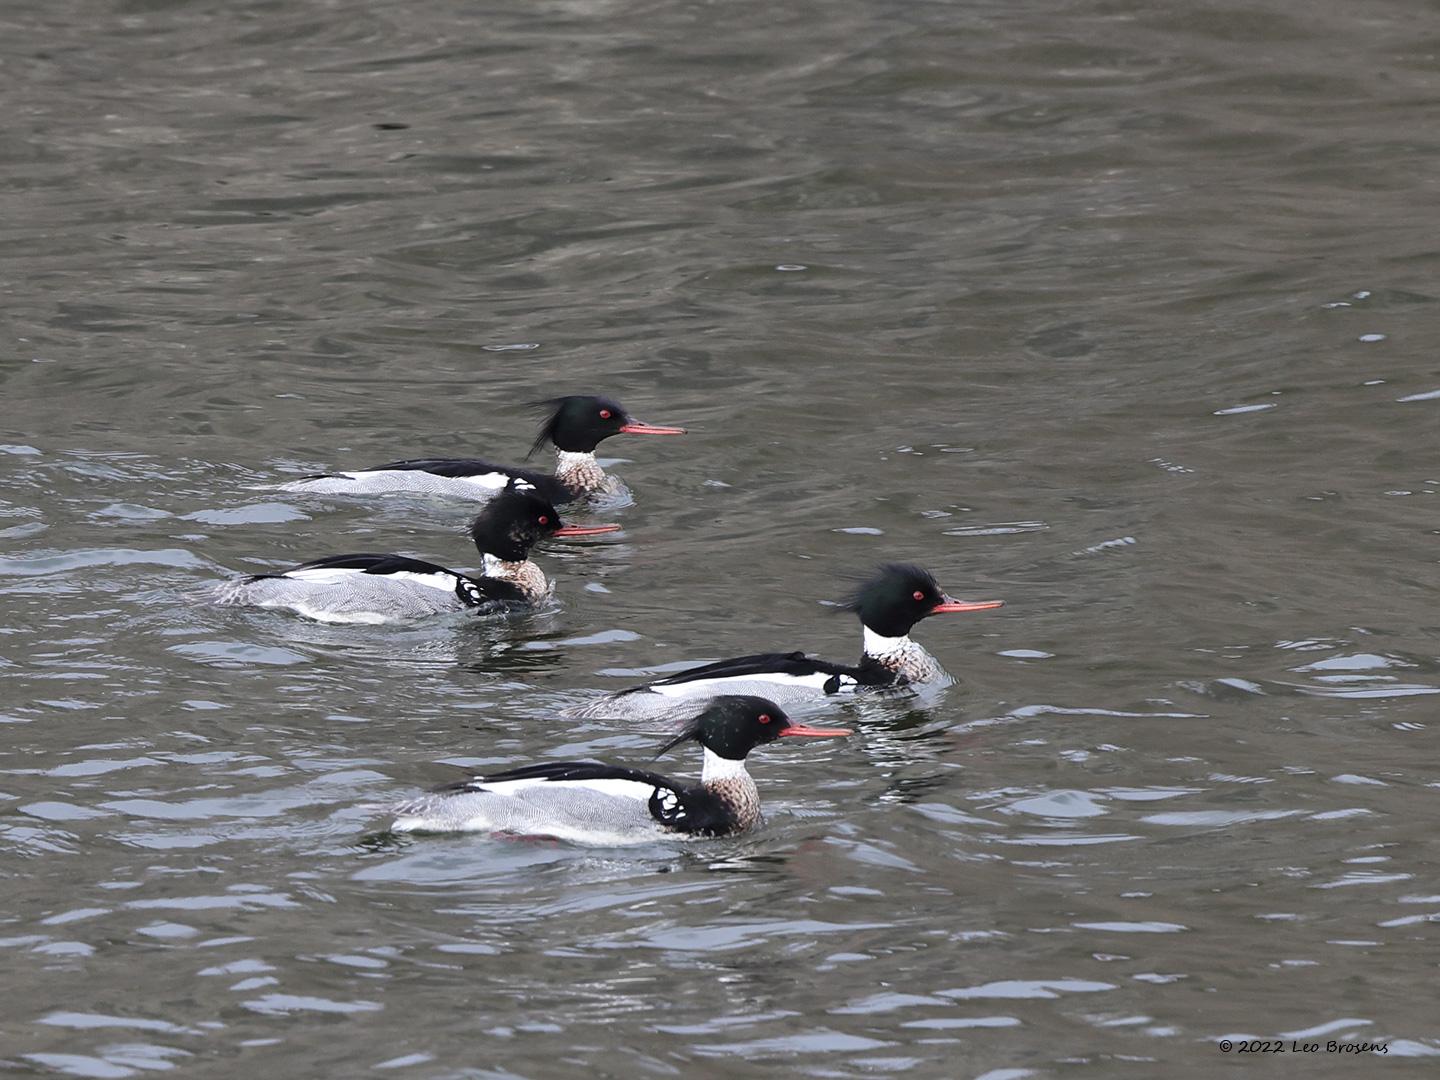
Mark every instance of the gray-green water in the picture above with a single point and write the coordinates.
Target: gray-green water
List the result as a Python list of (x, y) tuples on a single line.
[(1122, 311)]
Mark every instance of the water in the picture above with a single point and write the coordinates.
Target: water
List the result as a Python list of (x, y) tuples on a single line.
[(1121, 311)]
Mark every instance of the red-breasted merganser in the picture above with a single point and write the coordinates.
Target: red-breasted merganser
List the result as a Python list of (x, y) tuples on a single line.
[(575, 425), (387, 588), (588, 802), (891, 602)]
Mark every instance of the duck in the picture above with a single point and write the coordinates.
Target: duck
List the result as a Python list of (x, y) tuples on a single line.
[(381, 588), (575, 425), (888, 603), (593, 803)]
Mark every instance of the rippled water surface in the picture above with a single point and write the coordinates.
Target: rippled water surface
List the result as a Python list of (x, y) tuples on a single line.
[(1120, 310)]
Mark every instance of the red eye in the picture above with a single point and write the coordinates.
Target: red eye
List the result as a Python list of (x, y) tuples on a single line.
[(544, 519), (764, 718), (918, 595), (604, 414)]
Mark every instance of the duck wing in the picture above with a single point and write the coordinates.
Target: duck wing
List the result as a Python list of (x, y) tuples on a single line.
[(794, 669), (582, 788)]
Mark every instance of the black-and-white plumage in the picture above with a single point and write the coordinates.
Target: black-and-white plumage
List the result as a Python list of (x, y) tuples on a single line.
[(375, 588), (574, 425), (591, 802), (889, 604)]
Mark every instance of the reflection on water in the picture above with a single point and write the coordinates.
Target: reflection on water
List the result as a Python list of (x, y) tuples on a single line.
[(1119, 312)]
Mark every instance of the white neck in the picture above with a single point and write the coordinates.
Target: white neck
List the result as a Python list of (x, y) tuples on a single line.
[(493, 566), (877, 645), (902, 656), (568, 461), (578, 471), (719, 768), (525, 575)]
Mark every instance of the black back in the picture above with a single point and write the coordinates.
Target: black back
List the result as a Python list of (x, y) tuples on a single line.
[(685, 808), (544, 484), (577, 423), (869, 673), (371, 564), (475, 592)]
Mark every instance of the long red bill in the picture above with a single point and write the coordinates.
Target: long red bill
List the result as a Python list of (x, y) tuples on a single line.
[(585, 530), (814, 732), (635, 427), (965, 605)]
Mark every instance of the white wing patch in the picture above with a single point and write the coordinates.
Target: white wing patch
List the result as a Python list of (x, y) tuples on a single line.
[(490, 481), (814, 682), (405, 478), (323, 574), (335, 574), (444, 582), (670, 804), (614, 787)]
